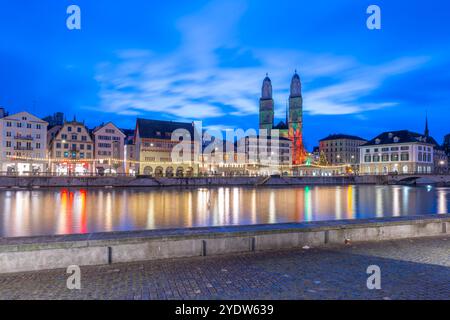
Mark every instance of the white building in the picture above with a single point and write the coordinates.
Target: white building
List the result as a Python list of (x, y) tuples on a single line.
[(398, 152), (23, 144), (109, 149)]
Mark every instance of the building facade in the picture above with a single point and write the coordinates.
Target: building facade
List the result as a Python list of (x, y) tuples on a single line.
[(154, 146), (341, 149), (71, 149), (23, 144), (109, 149), (397, 152)]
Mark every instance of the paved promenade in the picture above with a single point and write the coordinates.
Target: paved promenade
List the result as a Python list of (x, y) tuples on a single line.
[(410, 269)]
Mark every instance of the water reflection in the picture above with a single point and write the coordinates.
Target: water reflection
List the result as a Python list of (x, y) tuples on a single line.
[(25, 213)]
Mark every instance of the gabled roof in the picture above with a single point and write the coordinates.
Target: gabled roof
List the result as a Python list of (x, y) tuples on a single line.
[(149, 129), (104, 125), (29, 116), (341, 136), (402, 136)]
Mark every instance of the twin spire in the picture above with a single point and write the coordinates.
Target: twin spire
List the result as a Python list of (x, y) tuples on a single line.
[(296, 87)]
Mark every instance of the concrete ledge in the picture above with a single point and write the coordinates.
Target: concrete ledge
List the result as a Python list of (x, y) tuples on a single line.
[(52, 252)]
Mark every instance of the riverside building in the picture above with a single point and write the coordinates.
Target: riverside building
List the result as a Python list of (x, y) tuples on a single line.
[(154, 145), (398, 152), (109, 149), (23, 144), (71, 149)]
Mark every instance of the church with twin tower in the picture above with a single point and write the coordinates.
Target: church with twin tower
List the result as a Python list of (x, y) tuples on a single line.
[(293, 127)]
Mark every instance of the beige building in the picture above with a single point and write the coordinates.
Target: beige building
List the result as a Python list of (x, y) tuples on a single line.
[(398, 152), (71, 149), (109, 149), (341, 149), (23, 144), (154, 146)]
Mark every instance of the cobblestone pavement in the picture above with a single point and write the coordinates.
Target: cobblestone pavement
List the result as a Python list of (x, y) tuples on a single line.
[(410, 269)]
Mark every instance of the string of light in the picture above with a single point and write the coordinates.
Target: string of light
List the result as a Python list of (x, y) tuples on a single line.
[(116, 161)]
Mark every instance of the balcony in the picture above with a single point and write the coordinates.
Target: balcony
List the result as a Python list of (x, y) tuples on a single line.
[(23, 148), (24, 138)]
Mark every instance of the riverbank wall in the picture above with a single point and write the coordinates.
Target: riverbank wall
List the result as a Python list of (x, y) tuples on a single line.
[(137, 182), (54, 252)]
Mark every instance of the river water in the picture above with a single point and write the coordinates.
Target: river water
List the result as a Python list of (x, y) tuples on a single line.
[(74, 211)]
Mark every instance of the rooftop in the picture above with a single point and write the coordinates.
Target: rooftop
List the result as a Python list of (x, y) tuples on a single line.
[(158, 129), (340, 136), (402, 136)]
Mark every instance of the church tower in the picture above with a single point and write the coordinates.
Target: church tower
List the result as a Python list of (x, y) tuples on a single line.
[(296, 121), (266, 106)]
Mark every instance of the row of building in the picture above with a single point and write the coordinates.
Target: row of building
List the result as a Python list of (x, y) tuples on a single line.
[(30, 145), (396, 152)]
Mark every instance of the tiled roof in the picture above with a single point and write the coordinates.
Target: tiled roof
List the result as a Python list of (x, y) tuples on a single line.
[(157, 129), (403, 136), (342, 136)]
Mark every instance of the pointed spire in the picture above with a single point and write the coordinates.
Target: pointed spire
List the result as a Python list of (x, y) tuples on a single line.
[(427, 131), (266, 91)]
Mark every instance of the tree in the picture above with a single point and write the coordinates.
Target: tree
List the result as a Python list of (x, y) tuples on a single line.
[(323, 159)]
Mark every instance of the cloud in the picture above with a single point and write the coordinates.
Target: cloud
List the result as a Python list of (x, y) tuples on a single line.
[(197, 81)]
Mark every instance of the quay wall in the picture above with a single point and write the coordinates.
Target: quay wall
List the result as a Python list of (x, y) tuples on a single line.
[(54, 252), (87, 182)]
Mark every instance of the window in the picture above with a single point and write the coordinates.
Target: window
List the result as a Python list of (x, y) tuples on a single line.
[(58, 146), (404, 156), (38, 126), (394, 157), (79, 130), (9, 124), (385, 149), (376, 158), (66, 146), (58, 154), (64, 136), (404, 148), (367, 150), (69, 129), (38, 145), (8, 144), (66, 154), (19, 125), (89, 147), (28, 125), (420, 156), (8, 134), (385, 158), (74, 137), (83, 138), (394, 149)]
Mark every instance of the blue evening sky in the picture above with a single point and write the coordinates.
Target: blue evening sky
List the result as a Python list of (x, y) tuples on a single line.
[(206, 59)]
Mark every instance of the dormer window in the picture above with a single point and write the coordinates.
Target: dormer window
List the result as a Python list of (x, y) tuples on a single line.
[(391, 135), (396, 139), (377, 141)]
